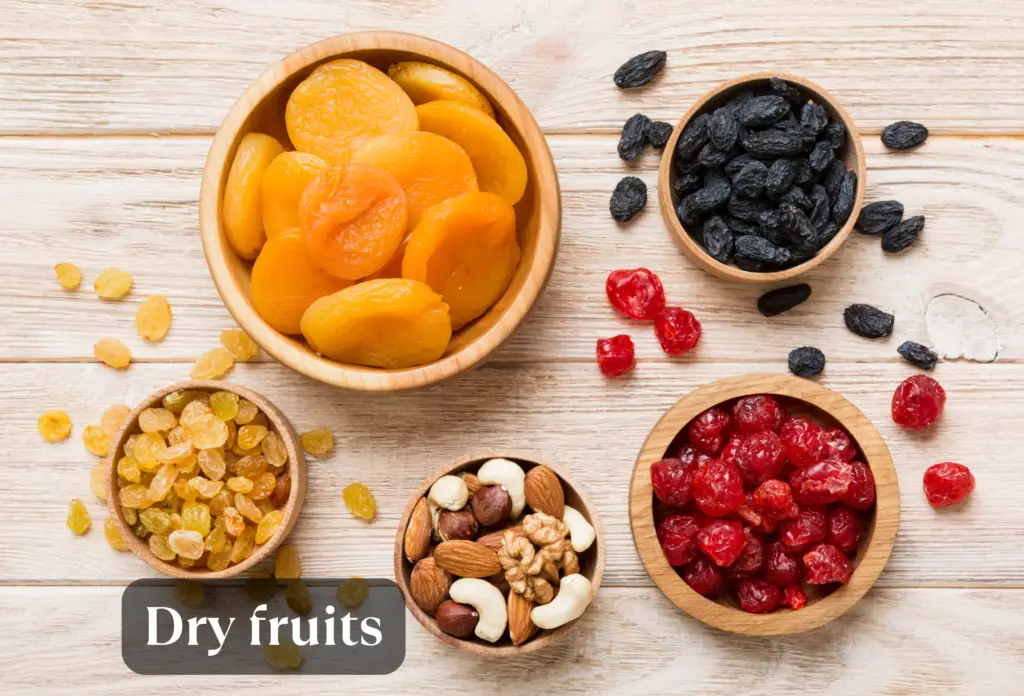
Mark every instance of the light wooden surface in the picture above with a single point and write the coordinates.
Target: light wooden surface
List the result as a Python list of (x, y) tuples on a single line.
[(85, 86)]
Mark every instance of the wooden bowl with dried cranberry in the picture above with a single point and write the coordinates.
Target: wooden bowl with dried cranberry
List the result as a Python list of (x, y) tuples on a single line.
[(764, 504)]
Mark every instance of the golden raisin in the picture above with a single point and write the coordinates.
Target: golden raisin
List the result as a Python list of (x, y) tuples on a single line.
[(161, 484), (68, 275), (284, 655), (352, 593), (153, 318), (234, 524), (211, 461), (78, 516), (247, 410), (147, 449), (113, 536), (298, 597), (250, 435), (207, 431), (213, 364), (98, 480), (113, 283), (160, 547), (263, 485), (153, 420), (54, 425), (359, 500), (155, 520), (135, 495), (239, 484), (317, 442), (196, 517), (96, 441), (112, 352), (268, 526), (240, 344), (217, 540), (205, 487), (193, 411), (287, 565), (274, 450), (186, 542), (282, 489), (128, 469), (176, 401), (224, 405), (221, 502), (189, 592), (247, 508), (113, 419), (250, 466), (243, 545)]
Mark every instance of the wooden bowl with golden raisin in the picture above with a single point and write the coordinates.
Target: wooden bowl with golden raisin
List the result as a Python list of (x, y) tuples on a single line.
[(187, 498)]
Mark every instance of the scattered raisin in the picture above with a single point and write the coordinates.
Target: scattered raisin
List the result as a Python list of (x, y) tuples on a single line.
[(317, 442), (634, 136), (54, 425), (359, 500), (153, 318), (112, 353), (918, 402), (68, 275), (636, 293), (867, 321), (615, 355), (902, 235), (947, 484), (879, 217), (113, 283), (639, 70), (659, 133), (239, 343), (806, 361), (628, 198), (677, 330), (213, 364), (904, 135), (78, 516), (919, 355)]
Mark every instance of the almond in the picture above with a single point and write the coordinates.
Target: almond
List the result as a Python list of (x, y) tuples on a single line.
[(466, 559), (428, 585), (472, 482), (417, 534), (520, 627), (493, 539), (544, 492)]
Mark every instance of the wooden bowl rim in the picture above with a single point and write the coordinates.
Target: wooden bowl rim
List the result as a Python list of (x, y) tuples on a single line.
[(694, 251), (783, 621), (296, 468), (548, 212), (541, 638)]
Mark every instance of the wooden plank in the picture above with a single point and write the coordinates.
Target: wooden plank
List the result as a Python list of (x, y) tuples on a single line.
[(910, 642), (565, 411), (132, 202), (148, 66)]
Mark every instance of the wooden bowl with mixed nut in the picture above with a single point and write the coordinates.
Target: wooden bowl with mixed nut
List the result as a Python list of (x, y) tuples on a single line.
[(499, 553)]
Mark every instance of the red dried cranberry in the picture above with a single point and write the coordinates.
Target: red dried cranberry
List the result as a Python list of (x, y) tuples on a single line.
[(731, 446), (794, 597), (774, 499), (673, 480), (844, 529), (825, 563), (782, 566), (708, 431), (751, 559), (616, 355), (722, 541), (756, 413), (861, 494), (947, 483), (677, 535), (918, 402), (637, 293), (758, 596), (804, 441), (821, 483), (760, 457), (807, 528), (678, 331), (718, 488), (838, 445), (704, 577)]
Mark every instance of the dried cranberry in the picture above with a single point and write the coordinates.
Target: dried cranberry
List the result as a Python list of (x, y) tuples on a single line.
[(722, 541), (821, 483), (673, 480), (756, 413), (708, 431), (755, 519), (637, 293), (718, 488), (751, 559), (844, 529), (809, 527), (782, 566), (825, 563), (704, 577), (731, 446), (758, 596), (918, 402), (947, 483), (804, 441), (677, 536), (760, 457), (794, 597), (678, 331), (615, 355), (861, 493), (838, 445), (774, 499)]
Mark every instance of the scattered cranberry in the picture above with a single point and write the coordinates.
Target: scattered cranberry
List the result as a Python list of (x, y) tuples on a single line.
[(732, 445), (794, 597), (673, 480), (718, 488), (838, 445), (708, 431), (616, 355), (774, 499), (918, 402), (678, 331), (804, 441), (760, 457), (756, 413), (844, 529), (809, 527), (947, 483), (750, 560), (722, 541), (677, 535), (704, 577), (821, 483), (636, 293), (782, 566), (758, 596), (825, 564), (861, 493)]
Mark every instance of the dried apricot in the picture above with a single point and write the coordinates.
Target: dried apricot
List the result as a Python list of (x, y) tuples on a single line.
[(465, 249), (359, 500), (113, 283), (429, 167), (78, 516), (353, 217), (68, 275), (213, 364), (424, 83), (54, 425), (283, 183), (112, 353), (285, 281), (390, 323), (240, 344), (153, 318), (499, 166), (240, 211)]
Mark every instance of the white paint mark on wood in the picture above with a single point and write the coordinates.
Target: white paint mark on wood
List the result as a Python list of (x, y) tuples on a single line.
[(961, 328)]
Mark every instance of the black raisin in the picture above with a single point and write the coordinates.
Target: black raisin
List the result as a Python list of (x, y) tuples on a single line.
[(746, 208), (628, 198), (902, 235), (688, 166), (713, 158), (773, 142), (835, 135), (693, 137), (685, 213), (842, 202), (828, 234), (634, 136), (687, 183), (783, 299), (916, 354), (639, 70), (879, 217), (813, 118), (804, 173), (771, 228), (803, 240), (733, 166), (717, 239), (781, 176), (867, 321), (791, 127), (658, 134), (723, 128), (760, 250), (797, 197), (821, 156), (714, 194), (763, 111), (746, 264), (740, 227), (821, 209), (789, 92), (834, 174), (904, 135), (750, 180), (806, 362)]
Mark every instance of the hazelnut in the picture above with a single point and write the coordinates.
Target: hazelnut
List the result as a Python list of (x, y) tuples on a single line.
[(456, 619), (460, 524), (491, 505), (428, 584)]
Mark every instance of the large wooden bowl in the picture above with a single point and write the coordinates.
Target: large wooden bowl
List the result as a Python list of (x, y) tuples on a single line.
[(852, 154), (296, 469), (806, 399), (591, 560), (538, 214)]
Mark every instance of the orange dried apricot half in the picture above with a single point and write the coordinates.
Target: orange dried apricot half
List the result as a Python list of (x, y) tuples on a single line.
[(341, 105), (499, 166), (429, 168), (353, 217), (465, 249), (391, 323), (285, 281), (283, 183), (424, 83), (240, 211)]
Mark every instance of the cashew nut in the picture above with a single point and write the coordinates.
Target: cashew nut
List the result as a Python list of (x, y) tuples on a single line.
[(574, 595), (508, 475), (449, 492), (581, 532), (489, 603)]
